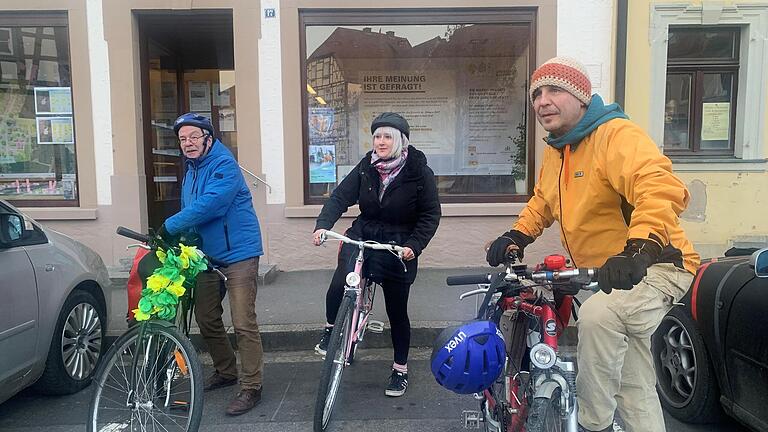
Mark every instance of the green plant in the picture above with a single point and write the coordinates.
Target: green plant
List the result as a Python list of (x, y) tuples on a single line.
[(519, 155)]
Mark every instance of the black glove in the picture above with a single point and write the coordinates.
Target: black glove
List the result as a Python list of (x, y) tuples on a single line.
[(627, 269), (497, 252)]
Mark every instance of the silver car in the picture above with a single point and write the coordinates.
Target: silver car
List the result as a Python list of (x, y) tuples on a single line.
[(53, 308)]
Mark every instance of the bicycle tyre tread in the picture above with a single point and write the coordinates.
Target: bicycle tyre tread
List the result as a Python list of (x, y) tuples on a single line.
[(343, 320)]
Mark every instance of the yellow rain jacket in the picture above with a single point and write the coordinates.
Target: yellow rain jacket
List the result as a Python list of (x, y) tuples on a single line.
[(613, 186)]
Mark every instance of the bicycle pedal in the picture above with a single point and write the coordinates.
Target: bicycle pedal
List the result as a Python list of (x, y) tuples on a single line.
[(375, 326), (471, 419)]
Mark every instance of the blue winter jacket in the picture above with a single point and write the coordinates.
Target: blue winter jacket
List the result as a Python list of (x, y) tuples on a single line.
[(216, 203)]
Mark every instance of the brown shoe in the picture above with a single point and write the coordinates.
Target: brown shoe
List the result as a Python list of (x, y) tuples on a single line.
[(217, 381), (244, 401)]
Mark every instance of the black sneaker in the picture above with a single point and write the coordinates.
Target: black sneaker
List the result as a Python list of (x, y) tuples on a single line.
[(398, 383), (321, 347)]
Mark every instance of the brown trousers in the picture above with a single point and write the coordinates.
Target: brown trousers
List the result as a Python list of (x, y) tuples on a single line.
[(241, 289)]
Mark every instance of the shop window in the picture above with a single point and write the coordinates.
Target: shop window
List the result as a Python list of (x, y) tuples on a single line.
[(702, 84), (459, 78), (37, 128)]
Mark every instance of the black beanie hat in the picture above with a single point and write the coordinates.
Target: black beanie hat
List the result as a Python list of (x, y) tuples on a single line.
[(393, 120)]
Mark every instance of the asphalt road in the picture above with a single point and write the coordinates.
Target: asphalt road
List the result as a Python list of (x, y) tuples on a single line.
[(289, 397)]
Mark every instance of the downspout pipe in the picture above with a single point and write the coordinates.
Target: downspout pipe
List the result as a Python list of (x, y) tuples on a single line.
[(622, 7)]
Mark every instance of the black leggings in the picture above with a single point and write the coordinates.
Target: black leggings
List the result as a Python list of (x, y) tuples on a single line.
[(396, 298)]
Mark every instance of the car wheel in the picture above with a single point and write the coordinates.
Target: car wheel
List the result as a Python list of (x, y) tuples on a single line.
[(76, 346), (685, 378)]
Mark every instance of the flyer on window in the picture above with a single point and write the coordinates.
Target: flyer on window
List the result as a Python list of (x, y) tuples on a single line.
[(227, 120), (322, 164), (53, 100), (55, 130), (199, 96)]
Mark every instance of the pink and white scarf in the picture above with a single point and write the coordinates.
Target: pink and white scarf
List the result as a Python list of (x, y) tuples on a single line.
[(388, 168)]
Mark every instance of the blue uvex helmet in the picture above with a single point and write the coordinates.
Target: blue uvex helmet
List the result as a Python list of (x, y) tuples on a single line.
[(193, 119), (468, 358)]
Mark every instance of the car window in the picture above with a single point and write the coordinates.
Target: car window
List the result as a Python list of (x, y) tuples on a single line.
[(16, 230)]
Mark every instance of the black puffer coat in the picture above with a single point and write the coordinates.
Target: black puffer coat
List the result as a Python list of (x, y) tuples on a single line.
[(408, 214)]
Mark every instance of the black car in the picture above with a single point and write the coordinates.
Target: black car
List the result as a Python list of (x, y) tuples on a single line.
[(711, 352)]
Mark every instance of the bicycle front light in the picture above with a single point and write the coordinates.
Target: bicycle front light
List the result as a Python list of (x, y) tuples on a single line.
[(543, 356), (353, 279)]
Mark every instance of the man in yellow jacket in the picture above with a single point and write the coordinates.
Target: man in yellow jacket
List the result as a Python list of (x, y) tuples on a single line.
[(617, 202)]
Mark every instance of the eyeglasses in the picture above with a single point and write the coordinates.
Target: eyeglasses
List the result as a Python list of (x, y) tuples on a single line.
[(192, 139)]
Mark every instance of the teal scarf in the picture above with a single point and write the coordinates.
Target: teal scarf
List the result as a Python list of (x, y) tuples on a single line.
[(597, 113)]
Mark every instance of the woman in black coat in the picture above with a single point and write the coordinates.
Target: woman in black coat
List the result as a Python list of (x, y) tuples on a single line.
[(398, 204)]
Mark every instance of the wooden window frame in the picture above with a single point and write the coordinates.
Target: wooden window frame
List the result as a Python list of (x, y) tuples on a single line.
[(46, 19), (420, 16), (696, 68)]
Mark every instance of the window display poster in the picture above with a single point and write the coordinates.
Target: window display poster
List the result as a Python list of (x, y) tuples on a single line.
[(320, 123), (55, 130), (53, 100), (199, 96), (226, 119), (425, 98), (69, 185), (322, 164), (220, 97), (17, 137), (715, 121)]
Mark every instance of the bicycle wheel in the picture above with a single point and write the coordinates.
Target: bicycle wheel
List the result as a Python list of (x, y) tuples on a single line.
[(545, 414), (334, 364), (155, 383), (368, 294)]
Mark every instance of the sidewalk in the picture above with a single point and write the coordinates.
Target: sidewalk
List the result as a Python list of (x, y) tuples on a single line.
[(291, 309)]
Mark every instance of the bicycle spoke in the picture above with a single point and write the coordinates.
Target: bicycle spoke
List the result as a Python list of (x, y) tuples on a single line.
[(150, 384)]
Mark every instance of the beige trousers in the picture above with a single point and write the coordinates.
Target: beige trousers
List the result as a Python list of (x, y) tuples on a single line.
[(614, 352)]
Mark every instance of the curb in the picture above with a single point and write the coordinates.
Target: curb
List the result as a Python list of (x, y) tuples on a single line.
[(302, 337)]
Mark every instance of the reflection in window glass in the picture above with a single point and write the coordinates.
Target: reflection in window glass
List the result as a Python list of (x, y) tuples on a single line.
[(461, 87), (677, 111), (14, 228), (37, 145), (708, 43)]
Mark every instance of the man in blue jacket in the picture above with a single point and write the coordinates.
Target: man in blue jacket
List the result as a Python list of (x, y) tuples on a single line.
[(216, 203)]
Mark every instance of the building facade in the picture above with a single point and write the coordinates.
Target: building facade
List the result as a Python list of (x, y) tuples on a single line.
[(696, 81), (90, 89)]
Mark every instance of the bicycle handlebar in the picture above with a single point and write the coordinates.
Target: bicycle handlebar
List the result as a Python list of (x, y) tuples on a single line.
[(369, 244), (125, 232), (213, 263), (468, 279), (584, 276)]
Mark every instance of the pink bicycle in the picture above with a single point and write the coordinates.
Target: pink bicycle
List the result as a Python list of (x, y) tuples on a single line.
[(351, 322)]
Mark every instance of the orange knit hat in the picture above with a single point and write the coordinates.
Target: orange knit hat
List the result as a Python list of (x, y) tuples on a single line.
[(566, 73)]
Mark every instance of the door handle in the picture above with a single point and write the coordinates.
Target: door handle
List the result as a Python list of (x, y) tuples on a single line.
[(50, 267)]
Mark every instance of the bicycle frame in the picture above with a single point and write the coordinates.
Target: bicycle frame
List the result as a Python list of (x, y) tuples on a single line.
[(534, 334), (362, 304), (357, 283), (349, 326), (558, 374)]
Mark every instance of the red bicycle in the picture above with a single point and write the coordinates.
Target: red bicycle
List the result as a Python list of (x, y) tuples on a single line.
[(532, 307)]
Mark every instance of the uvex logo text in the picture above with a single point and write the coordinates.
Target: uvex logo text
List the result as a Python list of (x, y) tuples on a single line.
[(453, 343)]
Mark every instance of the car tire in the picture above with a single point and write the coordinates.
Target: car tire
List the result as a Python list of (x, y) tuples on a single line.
[(685, 379), (76, 346)]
